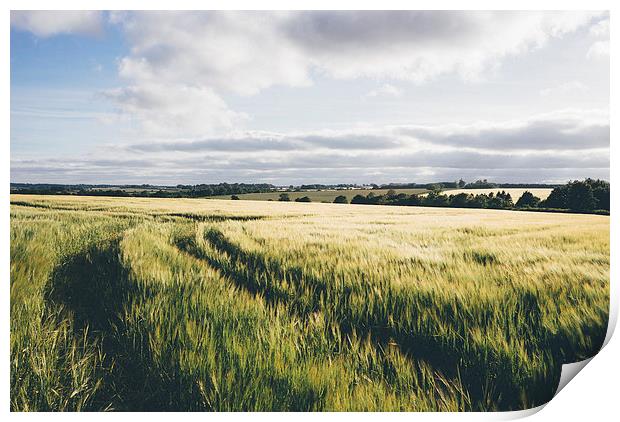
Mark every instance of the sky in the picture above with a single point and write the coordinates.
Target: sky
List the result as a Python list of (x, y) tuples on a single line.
[(308, 97)]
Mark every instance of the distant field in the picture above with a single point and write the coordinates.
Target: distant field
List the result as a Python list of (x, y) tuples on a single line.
[(318, 196), (329, 195), (515, 193), (217, 305), (136, 190)]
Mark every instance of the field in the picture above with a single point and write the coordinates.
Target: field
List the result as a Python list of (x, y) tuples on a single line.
[(319, 195), (515, 193), (192, 304), (329, 195), (136, 190)]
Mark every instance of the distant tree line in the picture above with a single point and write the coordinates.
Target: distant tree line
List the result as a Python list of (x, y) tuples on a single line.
[(180, 191), (437, 199), (226, 189), (591, 196), (323, 187), (586, 195), (434, 185), (461, 184)]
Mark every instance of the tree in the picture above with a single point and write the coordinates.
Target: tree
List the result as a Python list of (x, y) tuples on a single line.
[(504, 199), (303, 199), (460, 200), (413, 200), (586, 195), (581, 196), (600, 190), (495, 202), (479, 201), (481, 184), (461, 184), (359, 199), (235, 197), (341, 199), (284, 197), (400, 199), (435, 199), (558, 198), (527, 200)]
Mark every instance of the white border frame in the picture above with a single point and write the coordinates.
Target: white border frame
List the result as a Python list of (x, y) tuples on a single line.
[(592, 395)]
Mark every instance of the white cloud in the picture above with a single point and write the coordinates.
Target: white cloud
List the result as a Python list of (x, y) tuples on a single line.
[(599, 49), (174, 110), (242, 52), (386, 90), (246, 52), (567, 88), (600, 29), (45, 23)]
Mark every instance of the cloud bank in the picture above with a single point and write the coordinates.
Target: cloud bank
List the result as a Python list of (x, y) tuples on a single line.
[(533, 149)]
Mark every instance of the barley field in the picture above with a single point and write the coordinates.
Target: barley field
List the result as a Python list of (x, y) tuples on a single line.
[(213, 305)]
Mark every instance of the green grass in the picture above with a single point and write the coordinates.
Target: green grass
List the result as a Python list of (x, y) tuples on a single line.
[(319, 196), (151, 304)]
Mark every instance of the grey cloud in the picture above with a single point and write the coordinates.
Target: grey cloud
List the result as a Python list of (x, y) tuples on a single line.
[(222, 145), (574, 144), (562, 134), (265, 142), (353, 141), (286, 176), (417, 159), (335, 30), (308, 163)]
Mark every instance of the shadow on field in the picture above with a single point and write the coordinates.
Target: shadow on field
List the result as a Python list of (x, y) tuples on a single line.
[(214, 218), (492, 381), (297, 302), (94, 286), (97, 290)]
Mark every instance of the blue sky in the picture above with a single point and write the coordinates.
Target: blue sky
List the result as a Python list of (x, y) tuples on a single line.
[(325, 97)]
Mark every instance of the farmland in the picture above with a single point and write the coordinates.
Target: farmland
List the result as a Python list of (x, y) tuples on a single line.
[(202, 304), (515, 193), (319, 195), (331, 194)]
